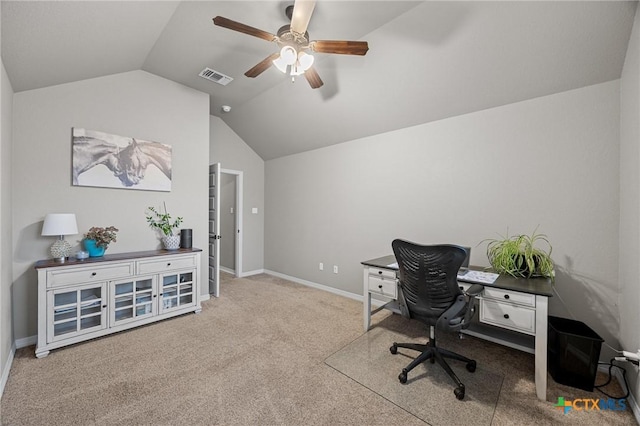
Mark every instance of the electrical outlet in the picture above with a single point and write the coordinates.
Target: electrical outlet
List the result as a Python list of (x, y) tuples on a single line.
[(335, 269), (321, 266)]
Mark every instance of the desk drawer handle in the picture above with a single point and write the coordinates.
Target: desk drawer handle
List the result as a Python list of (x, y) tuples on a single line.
[(380, 286), (380, 272), (506, 316), (506, 296), (93, 274), (169, 264)]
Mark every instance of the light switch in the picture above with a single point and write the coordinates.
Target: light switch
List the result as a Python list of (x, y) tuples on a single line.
[(254, 210)]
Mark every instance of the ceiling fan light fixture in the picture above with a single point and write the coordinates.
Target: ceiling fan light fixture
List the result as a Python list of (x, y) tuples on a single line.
[(305, 60), (289, 55), (280, 64)]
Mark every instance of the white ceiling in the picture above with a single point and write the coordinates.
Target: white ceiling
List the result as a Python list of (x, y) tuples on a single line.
[(426, 61)]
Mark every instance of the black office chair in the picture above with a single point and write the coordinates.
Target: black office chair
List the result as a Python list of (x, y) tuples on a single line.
[(433, 297)]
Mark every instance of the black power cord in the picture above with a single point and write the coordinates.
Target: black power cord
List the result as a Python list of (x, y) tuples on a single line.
[(624, 378)]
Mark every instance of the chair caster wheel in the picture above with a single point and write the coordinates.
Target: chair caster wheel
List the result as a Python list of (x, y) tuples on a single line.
[(459, 392), (471, 366), (403, 377), (394, 349)]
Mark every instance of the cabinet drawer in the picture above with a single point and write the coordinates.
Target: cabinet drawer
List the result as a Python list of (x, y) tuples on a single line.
[(509, 296), (507, 315), (88, 274), (382, 273), (384, 286), (166, 264)]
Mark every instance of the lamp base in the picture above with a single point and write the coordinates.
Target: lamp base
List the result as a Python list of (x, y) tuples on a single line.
[(60, 250)]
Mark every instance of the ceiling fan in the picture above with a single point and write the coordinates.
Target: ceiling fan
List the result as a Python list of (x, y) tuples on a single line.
[(294, 43)]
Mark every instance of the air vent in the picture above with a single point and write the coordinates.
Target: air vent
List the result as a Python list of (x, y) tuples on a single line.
[(215, 76)]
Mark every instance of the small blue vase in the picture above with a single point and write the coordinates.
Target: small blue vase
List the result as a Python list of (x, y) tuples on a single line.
[(93, 249)]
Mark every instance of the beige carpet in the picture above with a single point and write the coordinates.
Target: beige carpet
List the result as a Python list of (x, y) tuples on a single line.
[(254, 356), (429, 389)]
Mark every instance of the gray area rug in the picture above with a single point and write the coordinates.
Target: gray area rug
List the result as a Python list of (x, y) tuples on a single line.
[(428, 394)]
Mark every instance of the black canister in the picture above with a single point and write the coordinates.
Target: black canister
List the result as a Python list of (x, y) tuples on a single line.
[(186, 236)]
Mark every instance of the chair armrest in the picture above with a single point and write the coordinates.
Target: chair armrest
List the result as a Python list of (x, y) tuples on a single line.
[(474, 290)]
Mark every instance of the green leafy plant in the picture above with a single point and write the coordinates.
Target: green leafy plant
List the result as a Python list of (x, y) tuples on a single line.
[(102, 236), (162, 221), (521, 255)]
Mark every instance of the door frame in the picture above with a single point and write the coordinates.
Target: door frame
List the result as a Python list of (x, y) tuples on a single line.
[(239, 212)]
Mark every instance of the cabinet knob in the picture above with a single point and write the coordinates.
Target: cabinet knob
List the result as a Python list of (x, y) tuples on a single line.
[(380, 286), (154, 295), (506, 296), (380, 272), (104, 306), (169, 264), (93, 274), (506, 316)]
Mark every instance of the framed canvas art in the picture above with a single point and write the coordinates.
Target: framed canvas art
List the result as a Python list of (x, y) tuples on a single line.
[(112, 161)]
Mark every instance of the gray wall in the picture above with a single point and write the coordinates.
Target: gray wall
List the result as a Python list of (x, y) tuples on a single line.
[(228, 149), (6, 325), (550, 162), (136, 104), (630, 200)]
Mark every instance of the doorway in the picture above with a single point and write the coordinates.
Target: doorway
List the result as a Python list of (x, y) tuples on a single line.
[(231, 221)]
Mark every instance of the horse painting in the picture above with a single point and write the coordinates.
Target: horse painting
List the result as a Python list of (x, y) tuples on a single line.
[(127, 162)]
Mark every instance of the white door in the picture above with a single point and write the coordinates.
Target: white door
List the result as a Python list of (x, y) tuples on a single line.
[(214, 229)]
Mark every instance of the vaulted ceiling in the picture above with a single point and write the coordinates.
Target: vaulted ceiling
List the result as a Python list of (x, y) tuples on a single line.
[(427, 60)]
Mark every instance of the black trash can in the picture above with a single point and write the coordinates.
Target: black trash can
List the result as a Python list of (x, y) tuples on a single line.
[(573, 353)]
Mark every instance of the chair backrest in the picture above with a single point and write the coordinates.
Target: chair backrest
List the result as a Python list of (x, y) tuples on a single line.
[(428, 277)]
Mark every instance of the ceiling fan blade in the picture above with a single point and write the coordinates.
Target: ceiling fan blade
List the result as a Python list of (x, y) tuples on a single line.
[(237, 26), (342, 47), (313, 78), (302, 10), (262, 66)]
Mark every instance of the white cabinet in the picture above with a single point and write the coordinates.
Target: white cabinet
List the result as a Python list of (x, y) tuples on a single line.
[(83, 299)]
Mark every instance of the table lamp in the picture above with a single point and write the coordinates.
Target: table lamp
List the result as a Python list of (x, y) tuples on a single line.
[(60, 224)]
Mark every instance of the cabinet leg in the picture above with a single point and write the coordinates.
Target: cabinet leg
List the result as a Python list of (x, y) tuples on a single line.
[(41, 354)]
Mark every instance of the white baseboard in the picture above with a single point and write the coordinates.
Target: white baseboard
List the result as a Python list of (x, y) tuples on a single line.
[(26, 341), (6, 369), (227, 270), (250, 273), (631, 400), (339, 292)]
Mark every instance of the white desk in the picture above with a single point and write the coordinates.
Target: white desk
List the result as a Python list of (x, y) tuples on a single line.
[(513, 312)]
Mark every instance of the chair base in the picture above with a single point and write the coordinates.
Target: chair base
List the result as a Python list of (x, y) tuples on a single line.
[(430, 352)]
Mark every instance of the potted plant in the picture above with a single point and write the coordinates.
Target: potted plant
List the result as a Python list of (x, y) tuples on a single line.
[(165, 224), (97, 239), (521, 255)]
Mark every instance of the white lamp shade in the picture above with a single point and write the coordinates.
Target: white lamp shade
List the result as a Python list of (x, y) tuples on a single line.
[(60, 224), (305, 60), (280, 64), (288, 55)]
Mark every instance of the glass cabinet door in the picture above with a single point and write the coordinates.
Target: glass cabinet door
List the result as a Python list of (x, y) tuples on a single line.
[(132, 300), (177, 290), (76, 311)]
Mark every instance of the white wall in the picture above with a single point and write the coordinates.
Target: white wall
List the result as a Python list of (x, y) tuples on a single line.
[(6, 324), (630, 200), (135, 104), (550, 162), (233, 153)]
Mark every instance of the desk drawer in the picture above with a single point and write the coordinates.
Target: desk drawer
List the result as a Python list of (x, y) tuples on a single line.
[(166, 264), (507, 315), (88, 274), (384, 286), (382, 273), (516, 297)]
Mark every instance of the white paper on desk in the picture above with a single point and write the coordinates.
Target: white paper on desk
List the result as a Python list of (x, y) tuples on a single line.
[(478, 277), (393, 265)]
